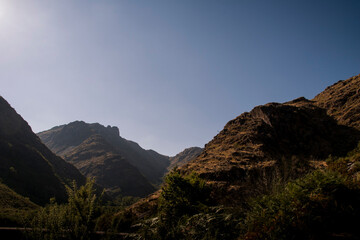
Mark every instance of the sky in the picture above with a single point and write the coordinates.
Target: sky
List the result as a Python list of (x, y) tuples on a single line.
[(170, 74)]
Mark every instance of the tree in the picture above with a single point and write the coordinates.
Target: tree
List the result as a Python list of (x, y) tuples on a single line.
[(74, 220)]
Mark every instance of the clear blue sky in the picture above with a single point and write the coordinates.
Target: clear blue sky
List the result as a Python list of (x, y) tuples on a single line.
[(170, 74)]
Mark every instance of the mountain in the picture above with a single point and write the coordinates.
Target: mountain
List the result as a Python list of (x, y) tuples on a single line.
[(184, 157), (342, 101), (272, 142), (27, 165), (100, 152), (95, 157)]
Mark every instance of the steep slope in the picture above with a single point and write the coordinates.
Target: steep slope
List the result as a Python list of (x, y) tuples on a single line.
[(184, 157), (77, 137), (271, 143), (95, 157), (10, 199), (13, 207), (28, 166), (342, 101)]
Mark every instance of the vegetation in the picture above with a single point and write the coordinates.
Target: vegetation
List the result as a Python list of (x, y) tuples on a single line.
[(74, 220), (322, 204), (14, 208)]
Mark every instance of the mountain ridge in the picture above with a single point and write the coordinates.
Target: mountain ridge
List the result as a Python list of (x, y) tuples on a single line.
[(87, 145), (274, 143)]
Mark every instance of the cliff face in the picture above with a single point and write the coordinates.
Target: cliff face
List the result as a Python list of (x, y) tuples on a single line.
[(119, 165), (28, 166), (184, 157)]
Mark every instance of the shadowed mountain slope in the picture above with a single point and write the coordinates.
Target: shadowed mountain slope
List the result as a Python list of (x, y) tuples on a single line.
[(184, 157), (13, 207), (95, 157), (27, 165), (10, 199), (100, 152)]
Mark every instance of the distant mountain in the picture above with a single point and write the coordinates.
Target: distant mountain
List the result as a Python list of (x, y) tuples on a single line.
[(27, 165), (119, 165), (184, 157)]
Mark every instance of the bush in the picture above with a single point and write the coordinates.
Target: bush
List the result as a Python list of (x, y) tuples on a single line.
[(183, 195), (318, 206), (74, 220)]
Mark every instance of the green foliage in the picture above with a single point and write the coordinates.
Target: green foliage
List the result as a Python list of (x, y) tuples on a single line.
[(74, 220), (181, 198), (14, 208), (317, 206), (348, 165), (217, 223), (111, 220), (50, 223), (183, 195)]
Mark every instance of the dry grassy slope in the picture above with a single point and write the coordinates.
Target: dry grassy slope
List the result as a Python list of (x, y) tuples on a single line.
[(95, 157), (28, 166), (275, 138), (184, 157), (272, 142), (342, 101)]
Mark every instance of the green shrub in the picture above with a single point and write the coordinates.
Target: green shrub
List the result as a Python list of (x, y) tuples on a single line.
[(74, 220), (183, 195), (317, 206)]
